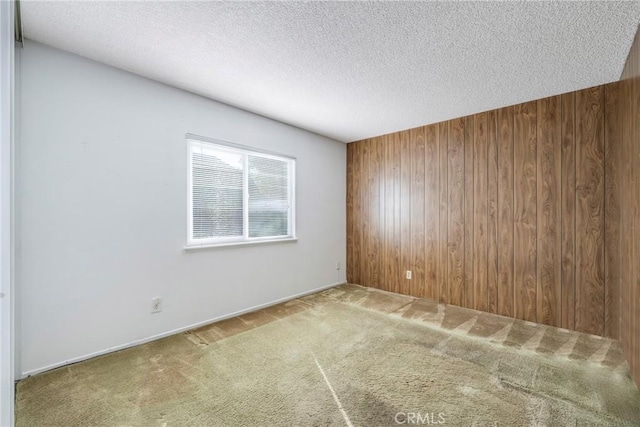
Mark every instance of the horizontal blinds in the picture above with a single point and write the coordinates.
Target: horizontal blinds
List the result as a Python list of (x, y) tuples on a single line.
[(238, 194), (217, 193), (268, 196)]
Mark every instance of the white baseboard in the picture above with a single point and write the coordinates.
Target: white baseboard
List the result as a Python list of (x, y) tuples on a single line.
[(174, 331)]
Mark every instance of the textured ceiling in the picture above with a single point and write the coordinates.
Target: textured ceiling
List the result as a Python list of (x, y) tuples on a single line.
[(350, 70)]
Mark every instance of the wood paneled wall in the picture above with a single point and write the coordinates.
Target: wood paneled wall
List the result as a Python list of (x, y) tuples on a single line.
[(512, 211), (629, 188)]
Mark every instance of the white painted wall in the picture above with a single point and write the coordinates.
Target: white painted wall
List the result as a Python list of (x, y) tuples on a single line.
[(7, 134), (101, 202)]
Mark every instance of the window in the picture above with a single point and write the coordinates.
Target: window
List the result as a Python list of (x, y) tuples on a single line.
[(238, 195)]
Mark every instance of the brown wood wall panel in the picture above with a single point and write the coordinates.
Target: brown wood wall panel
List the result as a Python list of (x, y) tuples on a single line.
[(492, 213), (568, 209), (480, 217), (384, 215), (525, 211), (625, 181), (431, 211), (468, 213), (612, 213), (629, 208), (372, 199), (590, 211), (365, 211), (455, 218), (405, 212), (442, 277), (634, 340), (503, 211), (392, 220), (422, 173), (549, 215)]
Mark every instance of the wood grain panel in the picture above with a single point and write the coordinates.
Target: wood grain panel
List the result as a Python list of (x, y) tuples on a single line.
[(568, 208), (405, 212), (383, 213), (375, 207), (590, 211), (525, 213), (505, 212), (612, 213), (455, 220), (442, 277), (492, 212), (633, 314), (634, 340), (392, 213), (549, 222), (480, 217), (625, 187), (365, 271), (468, 212), (431, 210), (419, 195)]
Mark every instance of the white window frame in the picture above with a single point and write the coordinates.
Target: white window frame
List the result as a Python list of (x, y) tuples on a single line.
[(200, 141)]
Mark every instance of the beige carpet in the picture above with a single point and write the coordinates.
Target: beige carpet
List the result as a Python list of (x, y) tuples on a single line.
[(347, 356)]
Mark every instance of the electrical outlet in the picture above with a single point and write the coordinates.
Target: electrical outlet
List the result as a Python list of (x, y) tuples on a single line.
[(408, 275), (156, 305), (338, 266)]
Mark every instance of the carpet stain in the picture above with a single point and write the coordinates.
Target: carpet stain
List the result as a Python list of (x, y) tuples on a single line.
[(386, 357)]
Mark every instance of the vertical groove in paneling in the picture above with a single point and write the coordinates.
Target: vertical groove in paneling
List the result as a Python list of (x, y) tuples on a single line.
[(612, 212), (442, 278), (468, 212), (549, 239), (525, 173), (505, 212), (455, 220), (590, 211), (431, 210), (421, 195), (568, 183)]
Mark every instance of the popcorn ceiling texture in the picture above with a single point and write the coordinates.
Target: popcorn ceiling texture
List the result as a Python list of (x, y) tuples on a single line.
[(351, 70)]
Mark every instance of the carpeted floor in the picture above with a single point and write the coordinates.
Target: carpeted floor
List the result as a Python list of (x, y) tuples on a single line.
[(346, 356)]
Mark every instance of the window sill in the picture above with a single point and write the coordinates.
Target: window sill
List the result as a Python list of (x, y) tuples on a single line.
[(190, 248)]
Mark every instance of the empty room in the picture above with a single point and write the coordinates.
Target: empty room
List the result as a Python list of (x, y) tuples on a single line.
[(331, 213)]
